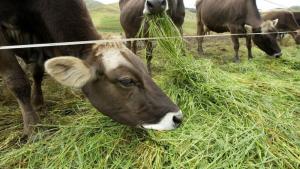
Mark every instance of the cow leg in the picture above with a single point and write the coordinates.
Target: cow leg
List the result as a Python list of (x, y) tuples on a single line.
[(134, 47), (280, 37), (180, 30), (149, 51), (16, 80), (129, 45), (200, 32), (37, 94), (249, 46), (181, 33), (236, 46)]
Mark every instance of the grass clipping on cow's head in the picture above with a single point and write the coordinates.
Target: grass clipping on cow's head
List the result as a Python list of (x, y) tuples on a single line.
[(165, 33)]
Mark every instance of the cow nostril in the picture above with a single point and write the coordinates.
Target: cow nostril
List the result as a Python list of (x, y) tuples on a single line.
[(278, 55), (177, 120), (149, 5)]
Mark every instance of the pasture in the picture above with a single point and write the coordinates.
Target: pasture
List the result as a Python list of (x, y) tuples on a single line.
[(244, 115)]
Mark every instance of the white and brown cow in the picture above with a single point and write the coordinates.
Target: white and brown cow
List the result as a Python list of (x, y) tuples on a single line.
[(112, 77)]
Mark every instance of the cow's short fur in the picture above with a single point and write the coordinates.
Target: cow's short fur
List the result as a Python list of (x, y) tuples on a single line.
[(232, 15), (287, 22), (131, 17), (111, 76), (297, 17)]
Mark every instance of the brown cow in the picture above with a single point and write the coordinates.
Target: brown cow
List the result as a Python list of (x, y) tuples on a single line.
[(113, 78), (287, 22), (297, 17), (132, 12), (232, 15)]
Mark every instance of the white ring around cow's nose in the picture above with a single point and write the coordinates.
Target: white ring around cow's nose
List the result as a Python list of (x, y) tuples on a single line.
[(170, 121), (277, 55)]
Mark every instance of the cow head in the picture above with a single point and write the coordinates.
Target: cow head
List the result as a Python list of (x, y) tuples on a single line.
[(267, 42), (155, 6), (117, 84)]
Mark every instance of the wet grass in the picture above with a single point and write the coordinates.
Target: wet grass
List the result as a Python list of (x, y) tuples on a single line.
[(243, 115)]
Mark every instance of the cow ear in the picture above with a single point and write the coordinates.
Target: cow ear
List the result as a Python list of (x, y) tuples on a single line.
[(69, 71), (248, 28), (275, 22)]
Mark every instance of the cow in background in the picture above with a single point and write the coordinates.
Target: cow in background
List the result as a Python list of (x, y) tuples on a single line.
[(287, 23), (233, 15), (132, 14)]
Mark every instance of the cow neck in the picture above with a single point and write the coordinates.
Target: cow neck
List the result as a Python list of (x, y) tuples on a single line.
[(256, 23), (172, 4), (253, 17), (83, 51)]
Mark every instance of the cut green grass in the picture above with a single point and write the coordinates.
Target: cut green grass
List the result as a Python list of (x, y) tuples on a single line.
[(236, 116), (169, 37)]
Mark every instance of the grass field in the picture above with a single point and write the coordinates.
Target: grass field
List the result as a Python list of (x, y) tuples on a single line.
[(244, 115)]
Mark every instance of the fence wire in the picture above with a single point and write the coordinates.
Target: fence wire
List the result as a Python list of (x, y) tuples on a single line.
[(105, 41)]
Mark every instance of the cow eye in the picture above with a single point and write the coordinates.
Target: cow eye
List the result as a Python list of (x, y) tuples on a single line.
[(127, 82)]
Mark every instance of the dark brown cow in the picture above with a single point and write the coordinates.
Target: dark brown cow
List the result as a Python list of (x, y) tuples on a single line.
[(113, 79), (287, 22), (232, 15), (297, 17), (132, 12)]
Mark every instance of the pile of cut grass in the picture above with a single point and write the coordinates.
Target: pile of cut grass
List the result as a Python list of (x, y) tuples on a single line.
[(167, 34), (236, 116)]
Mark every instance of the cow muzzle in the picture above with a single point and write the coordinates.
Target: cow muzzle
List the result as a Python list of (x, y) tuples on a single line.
[(154, 7), (170, 121), (277, 55)]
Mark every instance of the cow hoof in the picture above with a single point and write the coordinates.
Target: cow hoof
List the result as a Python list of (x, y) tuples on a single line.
[(200, 53), (30, 122), (235, 60), (28, 132)]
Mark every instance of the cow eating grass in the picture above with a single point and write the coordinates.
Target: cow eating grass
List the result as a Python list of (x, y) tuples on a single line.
[(286, 23), (232, 16), (117, 84), (133, 12), (111, 76)]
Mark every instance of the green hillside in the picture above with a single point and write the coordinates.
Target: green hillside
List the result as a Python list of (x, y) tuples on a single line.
[(92, 4), (106, 18)]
